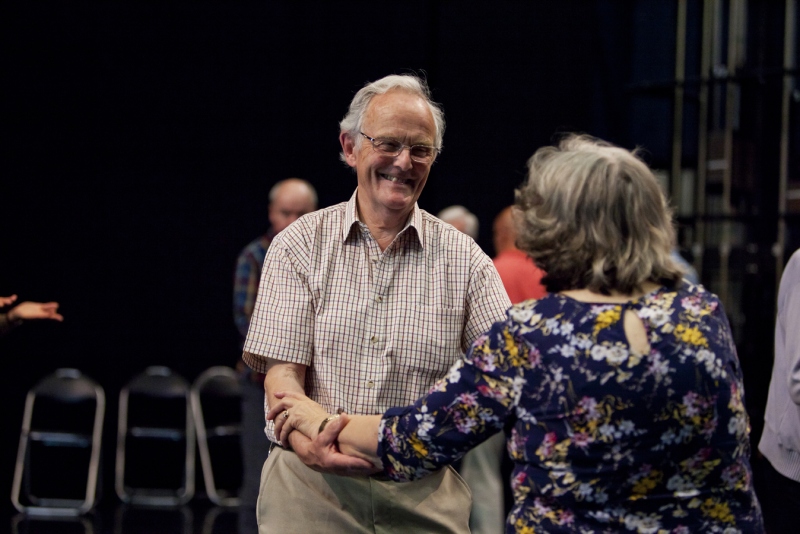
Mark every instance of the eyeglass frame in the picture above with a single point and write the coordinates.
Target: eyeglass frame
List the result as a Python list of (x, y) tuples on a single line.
[(403, 146)]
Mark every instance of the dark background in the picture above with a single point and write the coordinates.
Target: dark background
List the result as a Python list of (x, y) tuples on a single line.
[(141, 140)]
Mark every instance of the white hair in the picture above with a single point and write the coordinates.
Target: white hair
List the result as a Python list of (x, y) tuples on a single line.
[(353, 120), (457, 213)]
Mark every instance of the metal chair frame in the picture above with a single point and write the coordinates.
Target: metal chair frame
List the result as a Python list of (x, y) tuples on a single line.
[(148, 496), (60, 385), (230, 380)]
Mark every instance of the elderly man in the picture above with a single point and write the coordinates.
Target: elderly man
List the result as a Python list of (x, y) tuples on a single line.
[(363, 306), (288, 200)]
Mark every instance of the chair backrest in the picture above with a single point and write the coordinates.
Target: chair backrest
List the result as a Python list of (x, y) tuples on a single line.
[(216, 385), (65, 388), (154, 407)]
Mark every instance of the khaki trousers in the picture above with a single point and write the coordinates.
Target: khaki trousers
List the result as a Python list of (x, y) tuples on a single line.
[(294, 498)]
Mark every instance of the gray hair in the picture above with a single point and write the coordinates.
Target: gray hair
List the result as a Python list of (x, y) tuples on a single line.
[(353, 120), (594, 216), (460, 213)]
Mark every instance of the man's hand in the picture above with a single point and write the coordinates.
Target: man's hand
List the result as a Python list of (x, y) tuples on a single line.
[(295, 411), (5, 301), (322, 454)]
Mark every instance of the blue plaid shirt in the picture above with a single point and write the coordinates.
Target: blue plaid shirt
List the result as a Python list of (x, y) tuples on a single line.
[(246, 278)]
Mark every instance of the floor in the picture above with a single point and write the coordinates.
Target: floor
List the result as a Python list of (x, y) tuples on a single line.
[(200, 516)]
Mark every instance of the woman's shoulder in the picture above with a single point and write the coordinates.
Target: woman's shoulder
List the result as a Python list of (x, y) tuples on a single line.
[(684, 293), (547, 316)]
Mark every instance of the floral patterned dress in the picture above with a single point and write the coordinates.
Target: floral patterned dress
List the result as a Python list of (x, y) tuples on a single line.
[(604, 439)]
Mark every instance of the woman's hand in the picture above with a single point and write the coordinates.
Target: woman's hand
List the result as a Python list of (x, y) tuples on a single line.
[(296, 412)]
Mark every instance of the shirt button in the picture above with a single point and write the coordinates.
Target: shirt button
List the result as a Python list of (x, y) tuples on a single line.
[(370, 384), (379, 299), (374, 339)]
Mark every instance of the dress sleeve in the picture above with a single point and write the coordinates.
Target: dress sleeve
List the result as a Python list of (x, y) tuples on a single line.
[(474, 401)]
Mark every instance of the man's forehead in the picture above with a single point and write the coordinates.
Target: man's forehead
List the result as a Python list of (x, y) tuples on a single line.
[(398, 108)]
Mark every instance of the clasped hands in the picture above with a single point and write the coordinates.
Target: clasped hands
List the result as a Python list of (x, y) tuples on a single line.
[(318, 450)]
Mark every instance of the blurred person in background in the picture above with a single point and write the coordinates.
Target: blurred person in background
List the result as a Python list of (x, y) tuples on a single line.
[(779, 469), (464, 220), (289, 200), (481, 467), (520, 276)]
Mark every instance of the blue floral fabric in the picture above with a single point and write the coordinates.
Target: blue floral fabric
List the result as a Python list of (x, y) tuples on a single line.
[(604, 439)]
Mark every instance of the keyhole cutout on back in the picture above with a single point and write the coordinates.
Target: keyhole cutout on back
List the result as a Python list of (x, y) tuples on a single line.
[(635, 332)]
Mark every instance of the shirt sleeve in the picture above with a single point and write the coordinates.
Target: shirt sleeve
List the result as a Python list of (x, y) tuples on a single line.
[(487, 300), (788, 311), (245, 288), (473, 402), (282, 325)]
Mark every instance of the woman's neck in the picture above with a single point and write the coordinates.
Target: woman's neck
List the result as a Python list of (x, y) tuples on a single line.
[(616, 297)]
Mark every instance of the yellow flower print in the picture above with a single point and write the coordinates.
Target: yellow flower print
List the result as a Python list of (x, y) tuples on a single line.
[(418, 446), (715, 509), (622, 376), (606, 319), (690, 335), (515, 359), (645, 484)]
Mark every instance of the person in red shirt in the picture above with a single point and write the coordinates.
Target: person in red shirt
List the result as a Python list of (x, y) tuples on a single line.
[(521, 277)]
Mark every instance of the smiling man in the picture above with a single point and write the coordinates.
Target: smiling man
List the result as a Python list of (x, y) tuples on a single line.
[(363, 306)]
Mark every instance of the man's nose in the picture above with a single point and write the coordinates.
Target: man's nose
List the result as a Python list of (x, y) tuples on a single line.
[(403, 159)]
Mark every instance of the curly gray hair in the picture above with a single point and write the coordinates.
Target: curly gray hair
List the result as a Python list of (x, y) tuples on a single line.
[(593, 216)]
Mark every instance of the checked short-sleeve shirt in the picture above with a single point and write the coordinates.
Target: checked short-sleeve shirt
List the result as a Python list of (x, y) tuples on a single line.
[(375, 328)]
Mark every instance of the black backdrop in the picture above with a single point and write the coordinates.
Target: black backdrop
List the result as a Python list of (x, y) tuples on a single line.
[(141, 140)]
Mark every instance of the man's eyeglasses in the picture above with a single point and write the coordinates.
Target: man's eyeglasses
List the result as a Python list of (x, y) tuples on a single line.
[(392, 148)]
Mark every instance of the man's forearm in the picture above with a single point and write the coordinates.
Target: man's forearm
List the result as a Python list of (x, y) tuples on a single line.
[(283, 376)]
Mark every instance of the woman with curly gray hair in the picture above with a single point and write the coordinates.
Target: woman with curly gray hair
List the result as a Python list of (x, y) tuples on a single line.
[(620, 391), (593, 217)]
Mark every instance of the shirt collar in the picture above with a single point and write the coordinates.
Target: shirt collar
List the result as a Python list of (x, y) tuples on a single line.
[(351, 218)]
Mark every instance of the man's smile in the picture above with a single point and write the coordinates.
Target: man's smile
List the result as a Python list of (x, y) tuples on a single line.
[(396, 180)]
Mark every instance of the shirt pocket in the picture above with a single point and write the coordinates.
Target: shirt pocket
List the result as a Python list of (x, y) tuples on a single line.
[(429, 341)]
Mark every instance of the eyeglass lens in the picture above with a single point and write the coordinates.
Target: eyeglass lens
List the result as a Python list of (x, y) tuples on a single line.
[(393, 148)]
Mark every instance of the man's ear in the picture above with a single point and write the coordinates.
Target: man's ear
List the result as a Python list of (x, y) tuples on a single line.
[(348, 148)]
